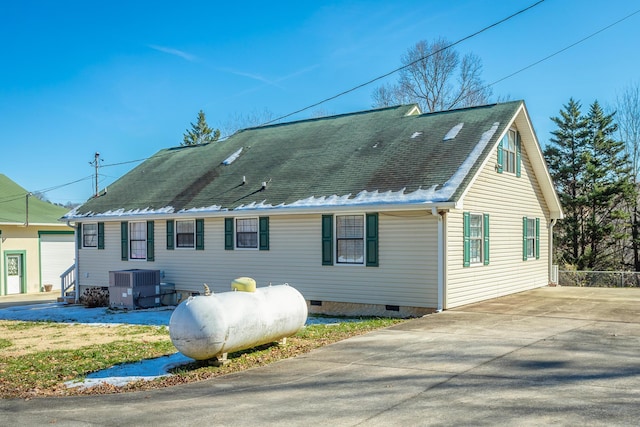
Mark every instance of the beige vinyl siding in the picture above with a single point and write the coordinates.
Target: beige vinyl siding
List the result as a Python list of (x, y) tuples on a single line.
[(507, 199), (407, 275)]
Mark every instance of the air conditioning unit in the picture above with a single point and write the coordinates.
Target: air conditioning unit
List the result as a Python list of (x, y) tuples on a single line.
[(135, 288)]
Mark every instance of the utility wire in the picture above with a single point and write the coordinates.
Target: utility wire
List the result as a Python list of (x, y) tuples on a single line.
[(565, 48), (12, 198), (375, 79)]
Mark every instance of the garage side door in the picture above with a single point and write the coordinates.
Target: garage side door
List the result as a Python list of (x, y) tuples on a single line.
[(57, 253)]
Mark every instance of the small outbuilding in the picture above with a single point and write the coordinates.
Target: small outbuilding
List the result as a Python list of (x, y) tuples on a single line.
[(386, 212), (35, 247)]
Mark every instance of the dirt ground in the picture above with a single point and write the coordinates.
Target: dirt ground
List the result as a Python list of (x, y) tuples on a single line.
[(29, 337)]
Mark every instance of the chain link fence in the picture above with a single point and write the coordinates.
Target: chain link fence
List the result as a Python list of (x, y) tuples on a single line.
[(599, 279)]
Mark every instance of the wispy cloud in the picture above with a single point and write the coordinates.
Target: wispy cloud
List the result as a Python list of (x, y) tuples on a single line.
[(171, 51), (251, 76)]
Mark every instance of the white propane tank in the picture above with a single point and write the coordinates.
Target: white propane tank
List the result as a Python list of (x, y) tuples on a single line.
[(207, 326)]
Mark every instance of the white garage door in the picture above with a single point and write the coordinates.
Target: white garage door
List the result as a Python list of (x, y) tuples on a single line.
[(57, 253)]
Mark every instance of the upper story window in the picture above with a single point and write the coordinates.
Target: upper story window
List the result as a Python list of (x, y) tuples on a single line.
[(350, 239), (138, 240), (185, 233), (509, 151), (247, 233), (90, 235)]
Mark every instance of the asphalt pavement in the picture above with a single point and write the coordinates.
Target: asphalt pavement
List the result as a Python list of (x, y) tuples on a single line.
[(562, 356)]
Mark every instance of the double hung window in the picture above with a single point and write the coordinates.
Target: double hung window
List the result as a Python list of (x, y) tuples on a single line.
[(90, 235), (138, 240), (185, 234), (247, 233), (350, 239)]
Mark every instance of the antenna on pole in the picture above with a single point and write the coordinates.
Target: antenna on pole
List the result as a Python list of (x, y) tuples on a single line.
[(96, 164)]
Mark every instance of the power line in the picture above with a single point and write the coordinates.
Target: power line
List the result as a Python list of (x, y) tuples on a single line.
[(565, 48), (375, 79)]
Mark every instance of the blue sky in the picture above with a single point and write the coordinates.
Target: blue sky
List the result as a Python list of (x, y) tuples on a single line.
[(126, 78)]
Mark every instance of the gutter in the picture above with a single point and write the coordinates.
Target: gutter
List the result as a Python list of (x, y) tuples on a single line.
[(441, 256)]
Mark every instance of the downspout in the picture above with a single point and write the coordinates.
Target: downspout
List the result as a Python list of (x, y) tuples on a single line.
[(439, 215), (550, 256)]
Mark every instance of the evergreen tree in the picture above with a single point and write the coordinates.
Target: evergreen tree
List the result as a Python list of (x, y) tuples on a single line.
[(200, 133), (591, 171), (566, 155), (608, 189)]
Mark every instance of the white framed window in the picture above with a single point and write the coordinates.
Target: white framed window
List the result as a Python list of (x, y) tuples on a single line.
[(90, 235), (185, 233), (509, 150), (247, 233), (350, 239), (476, 237), (137, 240)]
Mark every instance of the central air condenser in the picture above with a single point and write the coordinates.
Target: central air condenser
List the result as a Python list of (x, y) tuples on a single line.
[(134, 288)]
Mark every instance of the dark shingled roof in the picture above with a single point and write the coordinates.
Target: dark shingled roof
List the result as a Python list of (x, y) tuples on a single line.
[(13, 206), (382, 149)]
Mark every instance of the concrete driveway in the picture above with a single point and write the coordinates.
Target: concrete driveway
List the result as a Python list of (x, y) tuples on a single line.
[(566, 356)]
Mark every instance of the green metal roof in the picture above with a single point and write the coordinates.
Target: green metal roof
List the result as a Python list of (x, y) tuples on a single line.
[(383, 150), (13, 206)]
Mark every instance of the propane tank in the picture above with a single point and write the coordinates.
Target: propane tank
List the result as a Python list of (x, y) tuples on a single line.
[(204, 327)]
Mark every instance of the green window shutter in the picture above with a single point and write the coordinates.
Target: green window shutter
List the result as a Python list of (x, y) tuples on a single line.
[(150, 242), (500, 161), (264, 233), (518, 155), (327, 239), (466, 242), (200, 234), (228, 234), (79, 236), (372, 240), (124, 240), (485, 230), (524, 238), (537, 238), (170, 235), (101, 235)]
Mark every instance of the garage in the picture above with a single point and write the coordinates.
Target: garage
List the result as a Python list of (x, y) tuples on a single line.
[(57, 253)]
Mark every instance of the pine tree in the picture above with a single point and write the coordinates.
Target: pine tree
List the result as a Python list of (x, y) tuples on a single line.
[(200, 133), (566, 156), (608, 189)]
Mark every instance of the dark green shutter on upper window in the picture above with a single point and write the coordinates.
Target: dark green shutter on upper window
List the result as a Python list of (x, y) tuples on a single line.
[(79, 236), (372, 240), (485, 230), (101, 235), (124, 241), (499, 166), (327, 239), (170, 235), (150, 242), (537, 238), (228, 234), (200, 234), (518, 155), (466, 241), (264, 233)]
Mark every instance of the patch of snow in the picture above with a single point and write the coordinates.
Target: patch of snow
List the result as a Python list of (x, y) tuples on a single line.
[(454, 182), (453, 132), (416, 134), (122, 374), (362, 198), (232, 157)]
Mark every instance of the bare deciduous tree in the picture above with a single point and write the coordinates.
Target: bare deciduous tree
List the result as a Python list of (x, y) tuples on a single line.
[(436, 78)]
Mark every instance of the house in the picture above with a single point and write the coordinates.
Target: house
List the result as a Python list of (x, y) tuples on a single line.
[(387, 211), (35, 248)]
